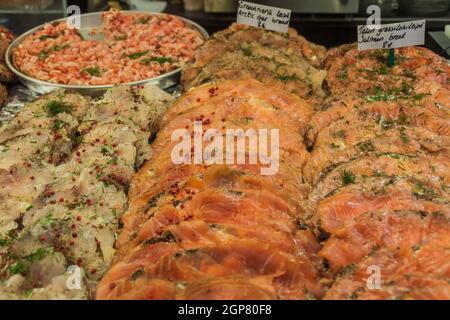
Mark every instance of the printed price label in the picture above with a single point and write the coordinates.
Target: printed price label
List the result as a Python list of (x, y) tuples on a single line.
[(266, 17), (390, 36)]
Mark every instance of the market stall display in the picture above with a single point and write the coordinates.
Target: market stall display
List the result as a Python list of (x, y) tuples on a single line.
[(362, 179)]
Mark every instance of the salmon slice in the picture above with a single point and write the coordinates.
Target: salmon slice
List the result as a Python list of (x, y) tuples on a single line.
[(229, 288), (354, 72), (199, 232), (368, 172), (437, 91), (236, 104), (402, 278), (229, 95), (181, 182), (245, 111), (358, 224), (286, 276), (400, 232), (224, 204), (241, 52), (175, 178), (339, 143), (336, 211), (241, 118), (242, 109), (114, 283), (426, 113)]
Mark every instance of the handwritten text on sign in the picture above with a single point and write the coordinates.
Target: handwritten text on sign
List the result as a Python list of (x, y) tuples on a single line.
[(265, 17), (390, 36)]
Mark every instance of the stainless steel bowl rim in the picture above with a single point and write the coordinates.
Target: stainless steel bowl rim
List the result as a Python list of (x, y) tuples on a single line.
[(20, 75)]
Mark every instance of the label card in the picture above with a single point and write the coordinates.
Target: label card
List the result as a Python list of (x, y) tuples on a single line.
[(390, 36), (266, 17)]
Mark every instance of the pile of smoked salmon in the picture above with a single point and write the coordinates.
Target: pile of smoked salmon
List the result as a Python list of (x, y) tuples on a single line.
[(287, 61), (359, 208)]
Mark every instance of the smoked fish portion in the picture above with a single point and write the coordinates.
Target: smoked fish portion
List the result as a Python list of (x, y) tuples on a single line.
[(379, 175), (220, 231)]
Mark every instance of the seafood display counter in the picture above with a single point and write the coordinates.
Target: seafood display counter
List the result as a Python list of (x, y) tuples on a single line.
[(354, 178)]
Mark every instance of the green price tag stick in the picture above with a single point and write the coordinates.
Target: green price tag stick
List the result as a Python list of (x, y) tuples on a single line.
[(391, 61)]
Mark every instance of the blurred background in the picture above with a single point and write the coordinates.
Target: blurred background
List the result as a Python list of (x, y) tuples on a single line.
[(328, 22)]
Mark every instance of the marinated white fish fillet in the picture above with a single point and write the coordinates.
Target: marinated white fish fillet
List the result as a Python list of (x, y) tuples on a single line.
[(73, 213)]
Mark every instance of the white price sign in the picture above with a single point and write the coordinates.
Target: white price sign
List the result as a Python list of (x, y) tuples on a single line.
[(390, 36), (266, 17)]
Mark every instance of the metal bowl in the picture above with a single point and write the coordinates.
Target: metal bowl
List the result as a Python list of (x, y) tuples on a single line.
[(89, 22)]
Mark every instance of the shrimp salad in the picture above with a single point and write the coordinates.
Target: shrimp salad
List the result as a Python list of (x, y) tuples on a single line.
[(135, 46)]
